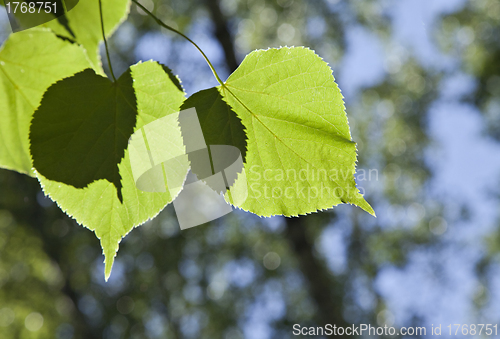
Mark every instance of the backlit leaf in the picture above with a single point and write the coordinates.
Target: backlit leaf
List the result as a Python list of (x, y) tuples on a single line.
[(30, 61), (300, 157), (97, 207), (85, 24)]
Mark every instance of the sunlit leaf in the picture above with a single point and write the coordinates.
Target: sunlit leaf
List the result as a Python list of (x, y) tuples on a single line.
[(97, 207), (85, 24), (300, 156), (30, 61)]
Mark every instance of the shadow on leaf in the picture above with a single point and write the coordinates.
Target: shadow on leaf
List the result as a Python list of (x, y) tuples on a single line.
[(221, 128), (80, 131)]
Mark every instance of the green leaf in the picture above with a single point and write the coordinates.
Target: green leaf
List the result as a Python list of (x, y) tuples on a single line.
[(300, 156), (84, 23), (81, 129), (97, 207), (30, 61)]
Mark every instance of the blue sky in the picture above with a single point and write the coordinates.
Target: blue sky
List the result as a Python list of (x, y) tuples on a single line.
[(438, 285)]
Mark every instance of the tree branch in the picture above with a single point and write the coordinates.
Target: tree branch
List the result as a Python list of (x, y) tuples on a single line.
[(223, 34)]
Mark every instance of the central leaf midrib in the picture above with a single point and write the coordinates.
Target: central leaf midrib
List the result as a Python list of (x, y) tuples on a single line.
[(270, 131), (292, 102)]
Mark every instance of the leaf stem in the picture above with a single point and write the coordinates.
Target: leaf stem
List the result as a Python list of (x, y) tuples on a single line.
[(161, 23), (106, 42)]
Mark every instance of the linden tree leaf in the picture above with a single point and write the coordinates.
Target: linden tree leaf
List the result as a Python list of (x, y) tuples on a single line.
[(81, 129), (97, 206), (300, 157), (84, 24), (30, 61)]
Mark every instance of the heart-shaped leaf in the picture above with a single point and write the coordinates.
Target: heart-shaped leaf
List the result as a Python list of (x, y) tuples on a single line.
[(97, 206), (300, 155)]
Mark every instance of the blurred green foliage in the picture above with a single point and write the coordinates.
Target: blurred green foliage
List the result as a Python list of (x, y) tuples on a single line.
[(213, 280)]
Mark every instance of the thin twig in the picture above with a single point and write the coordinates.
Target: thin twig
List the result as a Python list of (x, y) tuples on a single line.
[(161, 23), (106, 42)]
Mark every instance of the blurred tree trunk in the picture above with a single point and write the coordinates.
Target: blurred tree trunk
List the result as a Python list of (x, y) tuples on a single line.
[(223, 34), (20, 199), (325, 290)]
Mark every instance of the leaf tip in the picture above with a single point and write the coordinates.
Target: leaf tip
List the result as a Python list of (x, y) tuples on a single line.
[(108, 266), (365, 206)]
